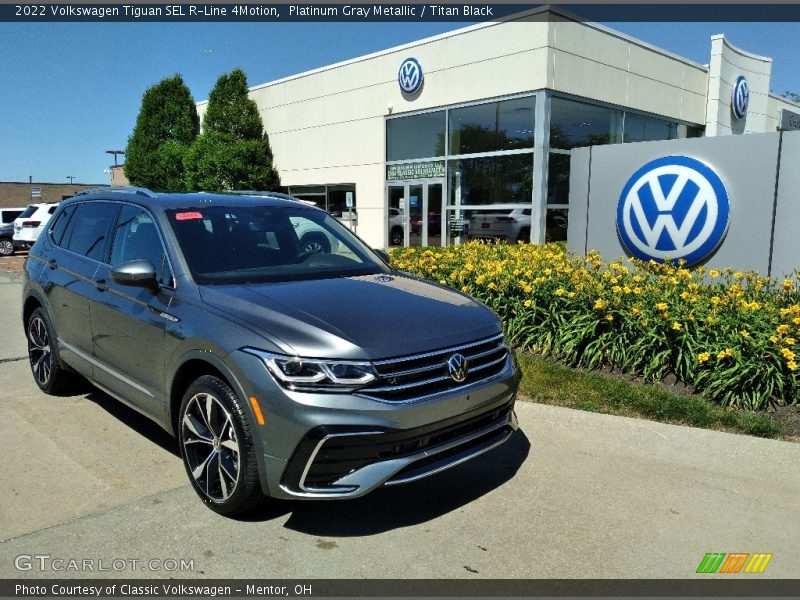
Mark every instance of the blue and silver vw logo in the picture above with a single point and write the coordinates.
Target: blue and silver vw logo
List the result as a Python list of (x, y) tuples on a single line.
[(740, 97), (674, 207), (457, 367), (410, 76)]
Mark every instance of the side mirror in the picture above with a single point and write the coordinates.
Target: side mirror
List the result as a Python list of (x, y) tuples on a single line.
[(383, 256), (138, 273)]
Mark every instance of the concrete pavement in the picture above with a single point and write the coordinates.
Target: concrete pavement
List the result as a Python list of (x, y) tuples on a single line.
[(573, 494)]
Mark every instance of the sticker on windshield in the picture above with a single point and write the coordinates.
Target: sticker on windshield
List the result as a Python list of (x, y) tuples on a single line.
[(186, 216)]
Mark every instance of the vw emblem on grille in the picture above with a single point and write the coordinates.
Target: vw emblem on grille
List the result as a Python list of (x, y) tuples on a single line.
[(457, 367), (673, 207), (410, 76), (740, 97)]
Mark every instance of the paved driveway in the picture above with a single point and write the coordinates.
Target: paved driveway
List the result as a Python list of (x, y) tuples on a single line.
[(573, 494)]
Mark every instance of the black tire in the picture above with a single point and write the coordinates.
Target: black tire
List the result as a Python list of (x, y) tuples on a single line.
[(315, 243), (49, 373), (6, 247), (524, 235), (211, 429), (396, 236)]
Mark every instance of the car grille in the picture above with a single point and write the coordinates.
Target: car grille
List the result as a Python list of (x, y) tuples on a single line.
[(420, 376)]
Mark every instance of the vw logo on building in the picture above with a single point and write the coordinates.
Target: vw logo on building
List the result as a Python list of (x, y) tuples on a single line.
[(740, 97), (410, 76), (674, 207), (457, 367)]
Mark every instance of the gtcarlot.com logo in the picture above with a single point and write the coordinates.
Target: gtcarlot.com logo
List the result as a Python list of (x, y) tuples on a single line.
[(46, 562)]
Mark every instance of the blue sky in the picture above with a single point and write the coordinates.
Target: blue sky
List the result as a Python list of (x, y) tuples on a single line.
[(71, 91)]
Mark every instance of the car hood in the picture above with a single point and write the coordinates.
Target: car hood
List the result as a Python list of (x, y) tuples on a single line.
[(366, 317)]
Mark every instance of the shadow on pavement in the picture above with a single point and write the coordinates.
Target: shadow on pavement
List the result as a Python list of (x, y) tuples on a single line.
[(391, 508), (129, 417)]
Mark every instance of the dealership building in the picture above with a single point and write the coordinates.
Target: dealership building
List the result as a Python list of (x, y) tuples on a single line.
[(425, 139)]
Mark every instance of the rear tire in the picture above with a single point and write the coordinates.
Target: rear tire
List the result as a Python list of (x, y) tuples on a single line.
[(396, 236), (49, 373), (315, 243), (524, 235), (217, 447)]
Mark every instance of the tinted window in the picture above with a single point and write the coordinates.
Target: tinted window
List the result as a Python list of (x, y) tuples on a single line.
[(492, 179), (10, 215), (27, 212), (639, 128), (574, 124), (417, 136), (136, 237), (60, 226), (90, 227), (504, 125), (245, 244)]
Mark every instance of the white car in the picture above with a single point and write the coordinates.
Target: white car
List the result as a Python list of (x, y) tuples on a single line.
[(31, 223), (513, 225)]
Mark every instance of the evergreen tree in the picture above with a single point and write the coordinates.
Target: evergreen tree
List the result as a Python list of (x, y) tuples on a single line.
[(232, 151), (165, 128)]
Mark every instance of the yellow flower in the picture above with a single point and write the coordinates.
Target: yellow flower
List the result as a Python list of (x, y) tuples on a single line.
[(788, 284), (703, 356), (789, 341), (792, 365), (609, 318), (787, 354), (559, 292), (662, 306), (527, 303), (677, 326), (714, 273), (773, 339), (600, 305), (738, 275), (616, 289), (685, 295), (492, 285), (783, 329), (796, 320), (724, 353), (744, 333)]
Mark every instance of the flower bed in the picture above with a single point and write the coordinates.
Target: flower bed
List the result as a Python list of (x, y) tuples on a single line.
[(733, 336)]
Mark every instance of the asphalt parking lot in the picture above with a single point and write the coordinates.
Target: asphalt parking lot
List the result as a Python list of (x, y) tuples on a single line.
[(573, 494)]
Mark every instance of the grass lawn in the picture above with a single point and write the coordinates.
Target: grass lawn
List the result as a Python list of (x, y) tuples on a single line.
[(547, 382)]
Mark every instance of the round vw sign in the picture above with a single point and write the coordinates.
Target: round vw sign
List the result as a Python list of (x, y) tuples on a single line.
[(457, 367), (674, 207), (410, 76), (740, 97)]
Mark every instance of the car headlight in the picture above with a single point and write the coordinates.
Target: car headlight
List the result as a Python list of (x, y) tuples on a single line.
[(306, 374)]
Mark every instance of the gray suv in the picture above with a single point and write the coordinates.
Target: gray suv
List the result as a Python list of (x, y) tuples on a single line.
[(281, 371)]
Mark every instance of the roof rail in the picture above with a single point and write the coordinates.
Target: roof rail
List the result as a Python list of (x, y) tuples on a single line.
[(263, 193), (120, 189)]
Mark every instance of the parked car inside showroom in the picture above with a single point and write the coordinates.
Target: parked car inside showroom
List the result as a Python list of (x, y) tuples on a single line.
[(513, 225), (283, 373), (30, 224)]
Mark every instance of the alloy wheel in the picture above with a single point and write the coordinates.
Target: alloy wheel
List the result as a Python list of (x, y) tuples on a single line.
[(6, 247), (211, 447), (39, 350)]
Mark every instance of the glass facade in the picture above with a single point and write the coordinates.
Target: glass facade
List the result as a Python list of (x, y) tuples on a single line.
[(417, 136), (496, 174), (492, 127), (331, 198)]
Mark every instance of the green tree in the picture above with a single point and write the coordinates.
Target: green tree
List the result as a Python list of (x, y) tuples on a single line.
[(165, 128), (232, 151)]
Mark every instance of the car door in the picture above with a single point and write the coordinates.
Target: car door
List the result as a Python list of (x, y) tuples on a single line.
[(128, 322), (72, 256)]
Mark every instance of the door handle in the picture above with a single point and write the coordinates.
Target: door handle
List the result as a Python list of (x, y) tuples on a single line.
[(101, 285), (52, 264)]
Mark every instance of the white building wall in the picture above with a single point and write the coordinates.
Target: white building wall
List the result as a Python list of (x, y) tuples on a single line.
[(727, 63)]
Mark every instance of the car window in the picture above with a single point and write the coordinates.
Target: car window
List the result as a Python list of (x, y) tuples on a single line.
[(136, 237), (268, 243), (28, 212), (89, 229), (10, 215), (52, 209), (60, 226)]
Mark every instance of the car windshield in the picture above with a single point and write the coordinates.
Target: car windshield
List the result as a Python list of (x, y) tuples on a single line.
[(258, 243)]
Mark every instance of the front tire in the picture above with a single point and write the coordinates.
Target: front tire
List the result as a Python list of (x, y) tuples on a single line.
[(48, 372), (315, 243), (217, 447), (6, 247)]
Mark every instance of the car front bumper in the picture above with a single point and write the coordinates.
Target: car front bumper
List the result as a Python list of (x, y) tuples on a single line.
[(329, 446)]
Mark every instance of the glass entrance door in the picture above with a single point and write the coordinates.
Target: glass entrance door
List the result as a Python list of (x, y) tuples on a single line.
[(414, 212)]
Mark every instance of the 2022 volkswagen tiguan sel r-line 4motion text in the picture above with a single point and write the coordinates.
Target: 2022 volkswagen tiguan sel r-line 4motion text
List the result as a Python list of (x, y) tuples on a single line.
[(282, 371)]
